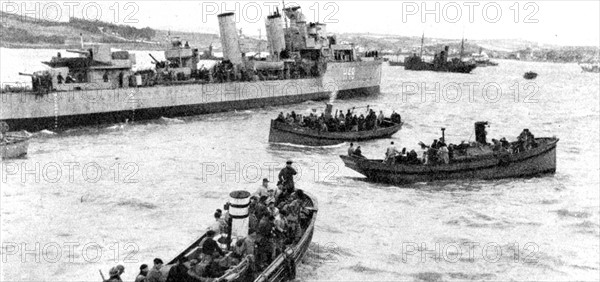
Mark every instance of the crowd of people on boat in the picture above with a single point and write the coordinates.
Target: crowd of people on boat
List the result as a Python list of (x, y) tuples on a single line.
[(277, 219), (441, 153), (340, 122)]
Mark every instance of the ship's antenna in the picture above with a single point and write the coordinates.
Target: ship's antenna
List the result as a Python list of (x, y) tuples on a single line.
[(462, 44), (259, 42), (284, 15), (422, 42)]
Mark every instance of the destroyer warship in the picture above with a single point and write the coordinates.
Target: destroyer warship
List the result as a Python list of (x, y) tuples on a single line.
[(99, 86)]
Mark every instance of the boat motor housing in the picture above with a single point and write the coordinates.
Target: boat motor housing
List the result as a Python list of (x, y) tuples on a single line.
[(238, 210), (480, 134)]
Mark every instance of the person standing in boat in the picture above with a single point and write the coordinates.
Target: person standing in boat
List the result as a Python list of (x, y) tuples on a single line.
[(396, 118), (155, 275), (444, 153), (219, 225), (391, 153), (380, 118), (263, 190), (286, 176), (523, 140), (141, 277), (358, 153), (264, 245), (114, 275), (351, 150)]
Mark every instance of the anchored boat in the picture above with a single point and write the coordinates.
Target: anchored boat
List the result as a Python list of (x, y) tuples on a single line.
[(282, 268), (477, 161)]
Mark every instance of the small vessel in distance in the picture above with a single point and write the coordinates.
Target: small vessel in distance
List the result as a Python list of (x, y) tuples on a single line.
[(528, 156), (530, 75), (440, 62), (299, 134), (12, 145), (396, 63)]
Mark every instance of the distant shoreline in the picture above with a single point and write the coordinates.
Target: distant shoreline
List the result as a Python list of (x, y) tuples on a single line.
[(123, 46)]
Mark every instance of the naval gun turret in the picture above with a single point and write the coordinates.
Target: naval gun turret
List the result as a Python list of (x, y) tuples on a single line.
[(158, 63)]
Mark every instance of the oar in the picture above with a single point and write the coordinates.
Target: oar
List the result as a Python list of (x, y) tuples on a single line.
[(103, 279)]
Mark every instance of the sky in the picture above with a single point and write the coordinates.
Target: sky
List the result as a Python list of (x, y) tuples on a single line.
[(549, 22)]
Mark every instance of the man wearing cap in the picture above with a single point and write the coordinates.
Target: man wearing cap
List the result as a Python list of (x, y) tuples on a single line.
[(143, 273), (263, 189), (114, 275), (155, 275), (286, 176)]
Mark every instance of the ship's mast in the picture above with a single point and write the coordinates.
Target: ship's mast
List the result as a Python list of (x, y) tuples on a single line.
[(462, 47), (284, 16), (422, 42), (259, 42)]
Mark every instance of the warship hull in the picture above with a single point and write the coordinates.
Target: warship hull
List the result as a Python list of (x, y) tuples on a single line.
[(65, 109)]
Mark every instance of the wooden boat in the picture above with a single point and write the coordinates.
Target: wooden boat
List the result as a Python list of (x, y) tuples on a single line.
[(493, 165), (285, 133), (282, 268), (530, 75), (14, 146)]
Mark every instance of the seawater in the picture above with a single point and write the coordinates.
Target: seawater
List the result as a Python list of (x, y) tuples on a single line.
[(93, 197)]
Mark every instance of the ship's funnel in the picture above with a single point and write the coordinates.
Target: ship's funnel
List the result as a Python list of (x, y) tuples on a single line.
[(230, 39), (238, 210), (275, 34), (302, 30)]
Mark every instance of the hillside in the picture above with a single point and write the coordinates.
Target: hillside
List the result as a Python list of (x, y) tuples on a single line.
[(495, 48), (23, 32)]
